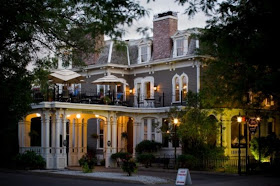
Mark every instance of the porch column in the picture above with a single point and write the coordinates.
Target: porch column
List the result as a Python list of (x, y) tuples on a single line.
[(108, 148), (43, 144), (70, 142), (27, 129), (141, 130), (114, 134), (64, 138), (57, 132), (47, 131), (149, 130), (85, 137), (79, 136), (119, 126), (76, 136), (21, 134), (134, 137), (53, 133), (227, 134), (49, 163)]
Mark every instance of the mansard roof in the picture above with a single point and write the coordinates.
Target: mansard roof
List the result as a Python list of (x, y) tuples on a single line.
[(129, 55)]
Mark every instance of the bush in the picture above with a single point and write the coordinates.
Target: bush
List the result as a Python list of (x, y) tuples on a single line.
[(119, 156), (188, 161), (148, 146), (146, 159), (87, 162), (129, 166), (30, 160)]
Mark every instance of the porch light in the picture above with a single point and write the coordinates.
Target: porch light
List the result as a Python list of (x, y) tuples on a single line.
[(38, 115), (78, 116), (239, 118), (130, 91), (96, 115), (68, 115), (175, 121), (155, 88)]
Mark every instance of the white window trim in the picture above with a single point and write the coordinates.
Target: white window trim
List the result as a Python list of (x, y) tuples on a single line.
[(98, 133), (177, 37), (180, 86), (142, 81), (141, 44)]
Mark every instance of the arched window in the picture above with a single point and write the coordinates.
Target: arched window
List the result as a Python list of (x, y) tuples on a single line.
[(177, 89), (184, 87), (180, 87)]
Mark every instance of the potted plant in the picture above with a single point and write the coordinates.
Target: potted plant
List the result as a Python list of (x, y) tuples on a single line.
[(124, 135), (107, 100), (94, 136)]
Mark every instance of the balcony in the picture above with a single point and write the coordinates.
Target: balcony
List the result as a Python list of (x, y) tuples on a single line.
[(109, 98)]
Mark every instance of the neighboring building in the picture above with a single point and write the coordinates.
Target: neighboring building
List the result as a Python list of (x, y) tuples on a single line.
[(157, 73)]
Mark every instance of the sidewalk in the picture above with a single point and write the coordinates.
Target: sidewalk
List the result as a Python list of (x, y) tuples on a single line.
[(143, 175)]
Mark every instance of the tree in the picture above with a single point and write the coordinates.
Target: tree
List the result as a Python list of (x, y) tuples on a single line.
[(28, 27), (240, 41)]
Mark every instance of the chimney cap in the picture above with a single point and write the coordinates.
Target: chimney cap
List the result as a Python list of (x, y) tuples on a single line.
[(165, 14)]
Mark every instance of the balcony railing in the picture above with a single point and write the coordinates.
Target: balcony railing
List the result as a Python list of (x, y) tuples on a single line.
[(130, 100)]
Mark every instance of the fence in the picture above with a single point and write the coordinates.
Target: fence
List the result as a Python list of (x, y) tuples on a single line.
[(130, 100)]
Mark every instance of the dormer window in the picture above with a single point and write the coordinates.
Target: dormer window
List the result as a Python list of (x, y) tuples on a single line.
[(180, 47), (180, 44), (144, 51), (144, 54)]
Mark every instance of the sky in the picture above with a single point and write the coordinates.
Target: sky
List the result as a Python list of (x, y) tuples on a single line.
[(159, 6)]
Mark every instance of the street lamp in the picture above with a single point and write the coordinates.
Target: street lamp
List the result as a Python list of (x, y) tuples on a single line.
[(259, 125), (239, 120), (175, 121)]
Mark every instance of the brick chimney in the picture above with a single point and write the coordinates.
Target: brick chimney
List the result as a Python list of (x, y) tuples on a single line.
[(165, 25), (93, 57)]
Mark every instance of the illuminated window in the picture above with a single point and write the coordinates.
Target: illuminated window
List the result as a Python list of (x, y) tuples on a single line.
[(180, 87)]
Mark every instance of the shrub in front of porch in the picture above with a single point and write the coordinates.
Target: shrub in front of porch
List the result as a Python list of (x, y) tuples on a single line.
[(87, 162), (30, 160), (125, 160)]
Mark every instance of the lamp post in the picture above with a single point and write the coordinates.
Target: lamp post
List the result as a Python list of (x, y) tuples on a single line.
[(239, 120), (175, 138), (259, 125)]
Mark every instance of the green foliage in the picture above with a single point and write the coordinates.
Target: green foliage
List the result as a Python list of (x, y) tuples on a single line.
[(270, 146), (87, 162), (188, 161), (29, 27), (146, 159), (129, 166), (148, 146), (119, 156), (30, 160), (197, 128)]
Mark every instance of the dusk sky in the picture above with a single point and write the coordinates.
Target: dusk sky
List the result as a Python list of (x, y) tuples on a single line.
[(160, 6)]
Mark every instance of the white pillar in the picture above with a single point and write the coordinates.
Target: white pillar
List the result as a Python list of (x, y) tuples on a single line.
[(47, 130), (64, 138), (85, 137), (42, 132), (20, 134), (119, 126), (70, 142), (114, 134), (149, 131), (108, 148), (26, 133), (79, 136), (57, 132), (134, 137), (53, 132)]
